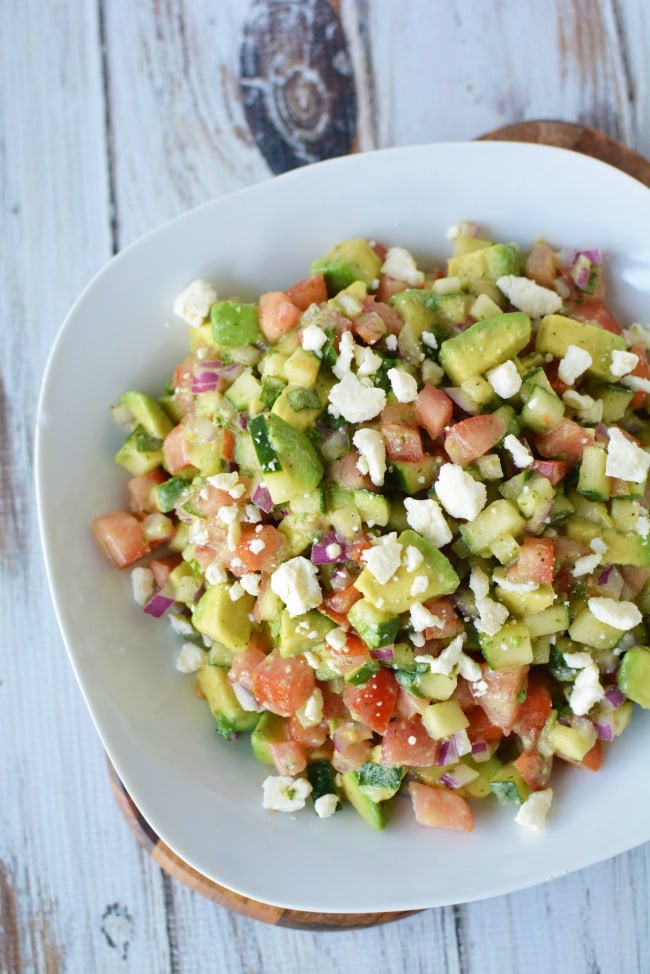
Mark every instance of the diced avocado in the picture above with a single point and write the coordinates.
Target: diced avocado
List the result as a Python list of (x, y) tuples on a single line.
[(525, 603), (572, 742), (484, 345), (227, 711), (557, 332), (489, 263), (301, 530), (511, 646), (376, 628), (350, 260), (298, 407), (634, 675), (374, 813), (379, 782), (497, 518), (235, 324), (423, 310), (395, 596), (140, 452), (218, 617), (444, 719), (301, 368), (269, 729), (587, 629), (147, 413), (271, 389), (302, 632), (287, 457), (170, 492), (321, 776), (508, 786), (301, 398), (244, 390)]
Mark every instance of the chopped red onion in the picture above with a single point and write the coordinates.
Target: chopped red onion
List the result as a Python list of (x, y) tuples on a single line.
[(447, 753), (242, 421), (614, 698), (158, 604), (448, 780), (262, 499), (604, 575), (206, 382), (480, 751), (330, 550), (594, 255), (581, 275), (566, 256), (605, 727), (384, 653), (461, 775)]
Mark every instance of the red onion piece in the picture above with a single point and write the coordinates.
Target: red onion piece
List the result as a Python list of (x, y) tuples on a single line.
[(320, 554), (605, 728), (262, 499), (448, 780), (158, 604), (614, 698), (594, 255), (384, 653), (447, 753), (340, 579), (566, 256)]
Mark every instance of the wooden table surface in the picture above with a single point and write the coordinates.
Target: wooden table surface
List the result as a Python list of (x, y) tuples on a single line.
[(117, 115)]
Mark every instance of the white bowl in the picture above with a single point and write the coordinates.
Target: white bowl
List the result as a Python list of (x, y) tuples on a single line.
[(201, 794)]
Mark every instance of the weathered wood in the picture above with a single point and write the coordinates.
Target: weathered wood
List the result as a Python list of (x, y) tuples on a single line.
[(116, 115)]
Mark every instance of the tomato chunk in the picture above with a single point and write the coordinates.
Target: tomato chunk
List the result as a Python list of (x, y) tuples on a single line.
[(407, 742), (269, 556), (553, 470), (374, 702), (473, 437), (535, 562), (566, 442), (534, 711), (534, 769), (310, 290), (277, 314), (337, 604), (175, 452), (450, 622), (433, 410), (121, 536), (243, 664), (282, 685), (498, 699), (440, 809), (288, 757), (141, 491)]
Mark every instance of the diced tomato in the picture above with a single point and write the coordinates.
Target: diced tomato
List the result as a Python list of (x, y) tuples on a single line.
[(535, 562), (388, 286), (282, 685), (450, 622), (433, 410), (121, 536), (336, 605), (277, 314), (480, 728), (352, 746), (595, 313), (474, 436), (534, 711), (374, 702), (499, 697), (438, 808), (398, 414), (369, 326), (288, 757), (553, 470), (227, 444), (141, 491), (345, 473), (402, 442), (333, 706), (357, 547), (161, 567), (407, 742), (390, 317), (408, 704), (307, 736), (311, 290), (243, 664), (566, 442), (271, 555), (541, 264), (593, 759), (642, 371), (175, 451), (534, 769), (350, 657), (635, 578), (209, 499)]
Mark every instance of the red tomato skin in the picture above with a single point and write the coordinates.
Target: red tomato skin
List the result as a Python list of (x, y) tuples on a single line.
[(566, 442), (121, 536), (450, 622), (433, 410), (407, 742), (533, 712), (402, 442), (266, 560), (553, 470), (282, 685), (499, 701), (480, 727), (175, 455), (277, 314), (243, 664), (345, 473), (374, 702), (388, 286), (473, 437), (310, 290), (534, 769), (370, 327), (337, 604), (535, 562), (288, 757), (141, 491), (593, 759), (440, 809), (595, 313)]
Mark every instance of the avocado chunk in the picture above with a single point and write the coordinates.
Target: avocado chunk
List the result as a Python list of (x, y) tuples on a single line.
[(218, 617), (374, 813), (487, 263), (147, 413), (379, 782), (484, 345), (425, 310), (235, 324), (287, 457), (395, 596), (302, 632), (140, 452), (556, 333), (634, 675), (269, 729), (348, 261), (376, 628), (226, 709)]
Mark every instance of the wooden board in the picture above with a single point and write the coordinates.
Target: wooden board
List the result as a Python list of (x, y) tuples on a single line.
[(567, 136)]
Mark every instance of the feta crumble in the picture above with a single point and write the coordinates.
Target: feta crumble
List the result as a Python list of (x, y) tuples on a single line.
[(532, 814), (372, 449), (313, 339), (296, 583), (586, 565), (421, 618), (505, 379), (142, 585), (194, 302), (625, 460), (368, 362), (326, 805), (383, 560), (284, 794), (191, 658), (460, 495), (620, 615), (403, 385), (623, 362), (521, 455), (573, 364), (400, 265), (413, 558), (426, 517), (341, 368), (528, 296), (354, 401)]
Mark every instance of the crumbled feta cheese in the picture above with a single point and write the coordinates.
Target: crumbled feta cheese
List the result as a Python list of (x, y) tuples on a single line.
[(180, 624), (500, 577), (400, 265), (215, 573), (326, 805), (505, 379), (586, 690), (413, 558), (403, 385), (521, 455), (578, 660), (333, 550), (429, 339), (528, 296), (468, 668), (236, 591), (227, 482), (345, 355), (229, 514), (642, 526), (250, 582), (479, 583), (193, 304), (245, 699), (371, 447), (252, 514), (623, 362), (311, 713), (336, 638), (448, 658), (256, 546), (492, 614), (142, 584), (421, 618), (349, 305), (383, 559), (368, 362), (636, 383), (426, 517), (198, 533), (620, 615), (391, 342), (313, 338), (625, 459), (284, 794), (637, 334), (573, 364), (597, 544), (191, 658), (419, 586), (296, 583), (460, 495), (586, 565), (354, 401), (432, 372), (589, 410), (532, 814)]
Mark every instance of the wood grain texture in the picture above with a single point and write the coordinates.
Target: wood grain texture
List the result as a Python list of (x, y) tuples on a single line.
[(116, 115)]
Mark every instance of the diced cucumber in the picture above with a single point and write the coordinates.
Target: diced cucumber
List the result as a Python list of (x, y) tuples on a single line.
[(171, 492), (269, 729), (498, 518), (587, 629), (379, 782), (555, 618), (322, 779), (301, 368), (147, 413), (374, 813), (542, 411), (411, 476), (230, 716), (572, 742), (300, 633), (634, 675), (376, 627), (444, 719), (510, 647), (593, 482), (508, 786)]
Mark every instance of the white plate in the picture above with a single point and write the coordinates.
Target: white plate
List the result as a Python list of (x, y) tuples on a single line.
[(201, 794)]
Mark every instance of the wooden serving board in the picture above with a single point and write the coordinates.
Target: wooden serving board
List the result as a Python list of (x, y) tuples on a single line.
[(566, 135)]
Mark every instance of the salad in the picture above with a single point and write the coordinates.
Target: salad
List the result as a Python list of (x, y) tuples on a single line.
[(399, 518)]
